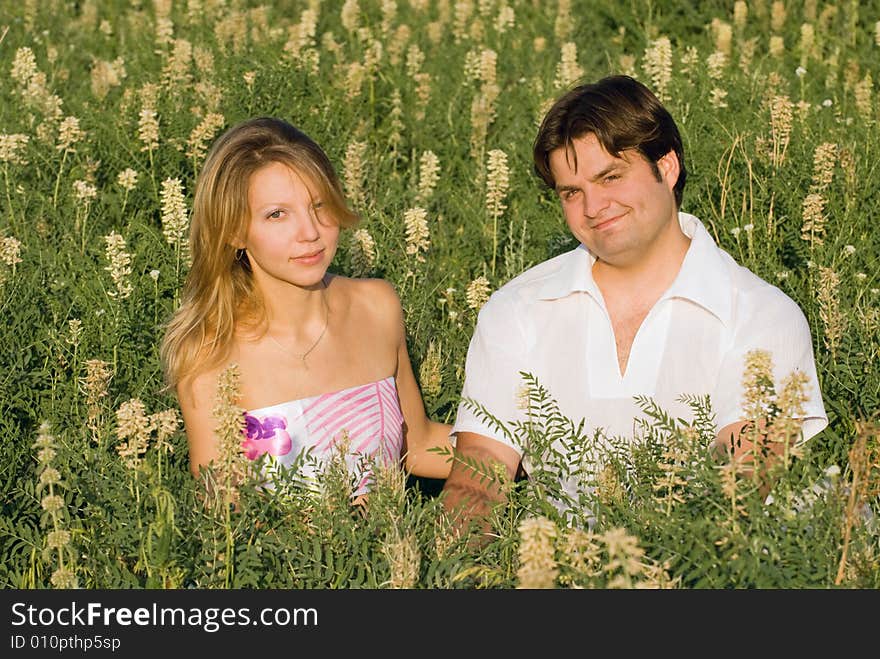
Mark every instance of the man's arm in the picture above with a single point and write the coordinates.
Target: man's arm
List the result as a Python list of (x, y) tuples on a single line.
[(473, 487), (741, 441)]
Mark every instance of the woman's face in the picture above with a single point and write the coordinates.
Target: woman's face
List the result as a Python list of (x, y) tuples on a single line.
[(290, 238)]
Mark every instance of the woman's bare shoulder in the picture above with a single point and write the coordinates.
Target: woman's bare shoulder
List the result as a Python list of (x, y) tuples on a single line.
[(373, 298), (200, 388)]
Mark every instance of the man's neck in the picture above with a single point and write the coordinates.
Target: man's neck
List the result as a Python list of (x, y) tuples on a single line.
[(651, 274)]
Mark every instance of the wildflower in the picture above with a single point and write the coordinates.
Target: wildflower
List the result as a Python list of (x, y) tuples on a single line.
[(497, 182), (106, 75), (154, 275), (133, 429), (52, 503), (827, 103), (11, 147), (748, 228), (777, 46), (716, 98), (689, 59), (723, 36), (10, 251), (568, 70), (174, 212), (127, 179), (715, 64), (777, 15), (813, 214), (477, 293), (506, 19), (249, 77), (758, 388), (69, 134), (538, 567), (658, 65), (833, 319), (166, 423), (64, 578), (623, 554), (58, 539), (74, 326), (362, 253), (849, 250), (430, 373), (740, 14), (735, 231), (404, 558), (148, 129), (415, 57), (203, 133), (824, 160), (350, 15), (24, 66), (231, 465), (807, 43), (429, 174), (563, 24), (418, 237), (119, 265), (84, 191), (800, 72), (49, 476), (862, 94), (780, 126), (354, 170), (96, 387)]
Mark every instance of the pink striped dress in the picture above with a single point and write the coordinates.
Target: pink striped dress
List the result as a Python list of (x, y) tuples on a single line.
[(369, 415)]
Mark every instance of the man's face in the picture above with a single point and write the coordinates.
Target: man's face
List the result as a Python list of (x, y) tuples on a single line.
[(616, 207)]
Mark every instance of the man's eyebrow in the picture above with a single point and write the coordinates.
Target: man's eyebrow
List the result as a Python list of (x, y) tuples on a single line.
[(607, 170)]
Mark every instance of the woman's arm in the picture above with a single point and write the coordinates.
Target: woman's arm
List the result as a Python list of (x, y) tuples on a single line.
[(420, 433), (196, 399)]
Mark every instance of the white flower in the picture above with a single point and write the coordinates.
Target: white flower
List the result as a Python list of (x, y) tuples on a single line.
[(849, 250), (748, 228), (154, 274), (827, 103), (735, 231), (800, 71)]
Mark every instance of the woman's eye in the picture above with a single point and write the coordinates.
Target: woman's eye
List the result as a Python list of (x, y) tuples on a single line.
[(275, 215)]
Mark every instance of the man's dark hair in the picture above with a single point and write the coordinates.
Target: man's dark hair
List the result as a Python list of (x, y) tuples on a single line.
[(623, 114)]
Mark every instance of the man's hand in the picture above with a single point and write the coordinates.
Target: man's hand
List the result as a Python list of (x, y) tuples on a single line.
[(750, 444), (481, 470)]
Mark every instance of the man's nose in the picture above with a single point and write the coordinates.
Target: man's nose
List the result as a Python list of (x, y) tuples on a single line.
[(595, 201)]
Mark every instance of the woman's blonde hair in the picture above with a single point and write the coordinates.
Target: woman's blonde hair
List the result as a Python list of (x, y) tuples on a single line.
[(219, 289)]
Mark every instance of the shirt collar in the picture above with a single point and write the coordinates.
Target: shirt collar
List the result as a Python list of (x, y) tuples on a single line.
[(703, 277)]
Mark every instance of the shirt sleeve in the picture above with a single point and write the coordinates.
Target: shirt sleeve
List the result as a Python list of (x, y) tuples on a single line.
[(777, 325), (492, 381)]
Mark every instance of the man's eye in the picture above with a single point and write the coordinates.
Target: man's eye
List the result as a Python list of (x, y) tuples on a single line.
[(611, 178)]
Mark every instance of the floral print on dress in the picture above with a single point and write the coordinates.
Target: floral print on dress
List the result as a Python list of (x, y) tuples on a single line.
[(266, 436)]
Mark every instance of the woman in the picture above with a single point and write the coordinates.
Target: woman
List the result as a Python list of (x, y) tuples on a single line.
[(322, 358)]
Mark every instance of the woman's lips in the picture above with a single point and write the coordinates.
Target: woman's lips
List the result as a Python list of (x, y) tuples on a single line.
[(309, 259)]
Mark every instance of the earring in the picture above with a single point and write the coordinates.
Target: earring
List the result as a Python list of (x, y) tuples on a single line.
[(239, 253)]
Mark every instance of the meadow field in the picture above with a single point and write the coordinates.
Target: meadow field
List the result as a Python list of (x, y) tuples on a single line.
[(428, 109)]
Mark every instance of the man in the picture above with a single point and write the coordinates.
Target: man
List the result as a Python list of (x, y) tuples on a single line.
[(647, 304)]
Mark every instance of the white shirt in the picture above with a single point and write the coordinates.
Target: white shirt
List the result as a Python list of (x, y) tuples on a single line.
[(551, 321)]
